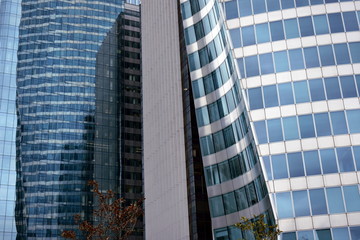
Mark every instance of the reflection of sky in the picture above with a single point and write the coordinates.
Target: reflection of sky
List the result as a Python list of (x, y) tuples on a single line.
[(9, 21)]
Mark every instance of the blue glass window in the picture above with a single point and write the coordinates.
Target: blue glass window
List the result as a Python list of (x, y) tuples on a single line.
[(306, 26), (353, 117), (213, 112), (301, 203), (348, 86), (261, 131), (336, 23), (274, 130), (202, 116), (323, 234), (190, 36), (296, 59), (248, 35), (306, 126), (262, 33), (342, 53), (281, 61), (311, 57), (207, 145), (221, 234), (235, 37), (322, 123), (194, 61), (241, 198), (266, 63), (252, 67), (326, 56), (216, 206), (224, 171), (198, 88), (288, 236), (291, 28), (318, 203), (290, 128), (279, 166), (302, 3), (317, 90), (219, 141), (328, 161), (270, 96), (355, 232), (355, 52), (321, 24), (266, 161), (340, 234), (241, 67), (229, 203), (285, 4), (296, 167), (357, 156), (284, 206), (277, 31), (352, 198), (305, 235), (245, 8), (314, 2), (255, 98), (212, 175), (231, 10), (273, 5), (259, 6), (286, 94), (338, 123), (350, 21), (301, 92), (335, 200), (332, 88)]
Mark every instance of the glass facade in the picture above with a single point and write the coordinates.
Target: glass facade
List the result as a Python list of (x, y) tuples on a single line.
[(9, 27), (226, 140), (68, 116), (299, 66)]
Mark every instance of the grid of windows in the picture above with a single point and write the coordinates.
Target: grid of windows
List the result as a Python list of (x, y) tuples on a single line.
[(9, 26), (345, 233)]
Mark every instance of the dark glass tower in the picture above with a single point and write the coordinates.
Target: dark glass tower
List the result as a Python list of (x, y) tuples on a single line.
[(67, 112)]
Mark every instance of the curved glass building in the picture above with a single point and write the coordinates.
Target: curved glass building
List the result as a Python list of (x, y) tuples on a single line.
[(300, 63), (9, 37), (234, 179), (67, 112)]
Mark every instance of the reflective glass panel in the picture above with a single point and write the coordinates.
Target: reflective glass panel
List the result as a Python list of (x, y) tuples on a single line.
[(318, 203)]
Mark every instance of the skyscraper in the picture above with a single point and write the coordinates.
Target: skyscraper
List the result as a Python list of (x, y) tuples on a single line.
[(234, 183), (300, 64), (71, 76), (9, 27)]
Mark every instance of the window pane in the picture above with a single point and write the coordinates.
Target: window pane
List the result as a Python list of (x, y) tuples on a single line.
[(355, 52), (213, 112), (355, 232), (267, 165), (234, 165), (207, 146), (198, 88), (252, 68), (288, 236), (270, 96), (353, 117), (245, 8), (357, 156), (338, 123), (255, 98), (322, 123), (335, 200), (248, 35), (284, 206), (350, 21), (281, 61), (328, 161), (273, 5), (221, 234), (222, 106), (311, 57), (231, 10), (317, 90), (323, 234), (251, 193), (321, 24), (332, 88), (274, 130), (296, 167), (241, 199), (285, 4), (261, 131), (279, 166), (301, 3), (277, 31), (290, 128), (301, 92), (224, 171), (286, 94), (305, 235), (348, 86), (352, 198), (306, 26), (291, 28), (202, 116), (216, 206), (306, 126), (318, 203), (342, 53), (336, 23), (301, 203), (262, 33), (229, 203), (340, 234), (345, 159), (296, 59), (219, 141), (259, 6), (326, 56), (266, 63), (235, 37), (208, 84)]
